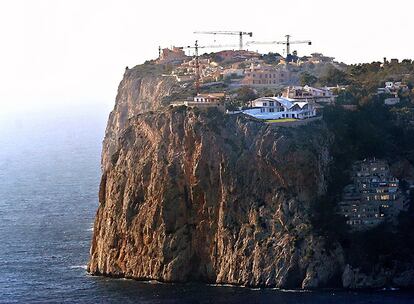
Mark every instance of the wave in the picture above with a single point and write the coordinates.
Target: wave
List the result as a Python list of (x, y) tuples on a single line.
[(90, 227), (155, 282), (390, 289), (291, 290), (78, 267), (225, 285)]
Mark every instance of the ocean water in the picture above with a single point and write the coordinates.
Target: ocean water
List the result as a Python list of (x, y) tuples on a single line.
[(49, 176)]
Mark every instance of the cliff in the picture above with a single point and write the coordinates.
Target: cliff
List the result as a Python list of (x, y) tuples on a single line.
[(198, 195), (142, 89), (201, 196)]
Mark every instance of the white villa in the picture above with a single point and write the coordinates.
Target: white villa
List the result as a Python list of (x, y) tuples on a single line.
[(279, 108), (307, 93)]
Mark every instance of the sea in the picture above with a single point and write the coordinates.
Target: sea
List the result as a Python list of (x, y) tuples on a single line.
[(49, 177)]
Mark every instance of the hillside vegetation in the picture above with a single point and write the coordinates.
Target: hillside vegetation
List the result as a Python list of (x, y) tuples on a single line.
[(374, 130)]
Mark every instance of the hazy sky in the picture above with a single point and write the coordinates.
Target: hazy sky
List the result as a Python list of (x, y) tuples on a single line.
[(56, 52)]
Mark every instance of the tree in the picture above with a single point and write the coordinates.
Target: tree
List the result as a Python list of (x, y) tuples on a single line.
[(246, 94), (308, 79), (334, 77), (271, 58)]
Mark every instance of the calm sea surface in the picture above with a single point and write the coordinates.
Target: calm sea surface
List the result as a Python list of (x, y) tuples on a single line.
[(49, 176)]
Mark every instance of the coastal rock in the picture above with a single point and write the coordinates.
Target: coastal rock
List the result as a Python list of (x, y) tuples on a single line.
[(192, 195), (353, 278), (405, 278), (142, 89)]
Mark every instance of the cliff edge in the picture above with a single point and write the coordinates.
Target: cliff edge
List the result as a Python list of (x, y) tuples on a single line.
[(192, 195)]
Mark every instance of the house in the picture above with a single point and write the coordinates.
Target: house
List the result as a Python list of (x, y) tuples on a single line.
[(204, 101), (373, 197), (236, 55), (184, 78), (173, 55), (307, 93), (209, 97), (390, 90), (209, 70), (279, 108), (263, 75), (228, 73)]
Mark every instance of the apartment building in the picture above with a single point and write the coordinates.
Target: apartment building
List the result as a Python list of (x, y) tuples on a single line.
[(373, 197), (262, 75)]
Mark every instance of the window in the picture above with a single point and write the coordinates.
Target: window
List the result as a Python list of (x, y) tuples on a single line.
[(265, 104), (271, 110), (271, 104)]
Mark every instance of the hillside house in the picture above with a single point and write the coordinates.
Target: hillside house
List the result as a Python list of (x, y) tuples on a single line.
[(263, 75), (279, 108), (204, 101), (174, 55), (209, 70), (209, 97), (373, 197), (390, 91), (236, 55), (307, 93), (228, 73)]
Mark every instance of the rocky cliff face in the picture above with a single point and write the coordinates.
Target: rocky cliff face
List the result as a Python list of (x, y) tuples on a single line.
[(141, 90), (191, 195)]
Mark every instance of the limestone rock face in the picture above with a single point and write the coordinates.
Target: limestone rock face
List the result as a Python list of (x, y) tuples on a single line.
[(141, 90), (189, 195)]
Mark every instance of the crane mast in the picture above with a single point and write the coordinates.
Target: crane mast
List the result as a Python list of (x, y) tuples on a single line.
[(197, 80)]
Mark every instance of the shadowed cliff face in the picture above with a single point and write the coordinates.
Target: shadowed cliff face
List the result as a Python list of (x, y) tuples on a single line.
[(191, 195)]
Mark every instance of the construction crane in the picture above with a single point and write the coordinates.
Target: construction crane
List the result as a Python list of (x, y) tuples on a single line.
[(196, 47), (287, 42), (239, 33)]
